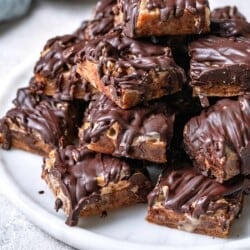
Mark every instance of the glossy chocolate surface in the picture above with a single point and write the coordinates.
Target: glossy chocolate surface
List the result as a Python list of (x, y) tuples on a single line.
[(57, 59), (95, 28), (133, 62), (50, 119), (152, 118), (219, 60), (57, 64), (228, 28), (219, 132), (82, 175), (192, 193), (57, 56), (168, 10), (228, 21), (102, 23), (104, 8)]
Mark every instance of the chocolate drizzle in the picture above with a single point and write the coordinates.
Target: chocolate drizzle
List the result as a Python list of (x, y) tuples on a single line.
[(104, 8), (95, 28), (132, 60), (217, 60), (82, 174), (168, 10), (130, 13), (219, 133), (102, 23), (6, 135), (227, 12), (152, 118), (230, 28), (57, 56), (192, 193), (57, 59), (43, 115), (228, 21), (57, 64), (173, 8), (58, 204)]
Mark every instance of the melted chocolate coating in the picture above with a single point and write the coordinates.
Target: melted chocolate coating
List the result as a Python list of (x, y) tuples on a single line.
[(228, 21), (77, 170), (227, 12), (168, 9), (192, 193), (136, 56), (104, 8), (57, 60), (57, 63), (95, 28), (57, 56), (221, 61), (102, 23), (141, 120), (228, 28), (226, 125), (5, 131), (52, 120)]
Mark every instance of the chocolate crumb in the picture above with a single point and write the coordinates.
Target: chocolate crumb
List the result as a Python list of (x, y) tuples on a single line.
[(58, 204), (104, 214)]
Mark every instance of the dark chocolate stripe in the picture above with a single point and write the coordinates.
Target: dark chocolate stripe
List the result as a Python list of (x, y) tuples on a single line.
[(127, 53), (224, 125), (57, 56), (42, 115), (142, 120), (102, 23), (168, 9), (221, 60), (77, 170), (192, 193), (228, 21)]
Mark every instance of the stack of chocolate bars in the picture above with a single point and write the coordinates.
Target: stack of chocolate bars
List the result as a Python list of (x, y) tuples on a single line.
[(145, 85)]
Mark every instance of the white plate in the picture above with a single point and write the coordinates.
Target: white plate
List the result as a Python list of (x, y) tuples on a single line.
[(124, 229)]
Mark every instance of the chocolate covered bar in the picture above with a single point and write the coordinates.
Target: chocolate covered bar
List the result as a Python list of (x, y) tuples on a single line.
[(218, 140), (186, 200), (143, 132), (172, 17), (55, 71), (129, 71), (228, 21), (220, 66), (38, 124), (87, 183)]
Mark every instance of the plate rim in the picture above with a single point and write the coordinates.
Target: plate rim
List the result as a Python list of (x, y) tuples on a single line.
[(58, 229)]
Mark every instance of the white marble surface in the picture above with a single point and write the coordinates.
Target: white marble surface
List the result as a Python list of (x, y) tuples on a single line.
[(19, 40)]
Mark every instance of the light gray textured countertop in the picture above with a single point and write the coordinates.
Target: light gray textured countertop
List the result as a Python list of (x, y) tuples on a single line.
[(19, 40)]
